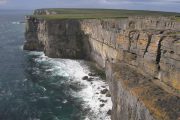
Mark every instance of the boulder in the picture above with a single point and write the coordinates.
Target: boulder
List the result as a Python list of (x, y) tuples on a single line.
[(104, 91), (101, 105), (92, 74), (85, 78), (109, 112)]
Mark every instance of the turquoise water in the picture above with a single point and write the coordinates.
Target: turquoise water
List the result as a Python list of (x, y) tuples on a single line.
[(35, 87)]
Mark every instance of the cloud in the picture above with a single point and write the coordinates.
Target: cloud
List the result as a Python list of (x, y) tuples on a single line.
[(172, 1), (143, 1), (3, 1), (155, 5)]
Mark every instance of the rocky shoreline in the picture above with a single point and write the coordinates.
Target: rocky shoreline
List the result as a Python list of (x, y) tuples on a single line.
[(92, 104)]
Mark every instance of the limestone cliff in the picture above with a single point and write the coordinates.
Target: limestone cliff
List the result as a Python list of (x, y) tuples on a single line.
[(141, 57)]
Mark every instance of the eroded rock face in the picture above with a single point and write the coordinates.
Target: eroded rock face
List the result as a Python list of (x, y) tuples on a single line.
[(62, 38), (31, 35), (136, 97), (154, 51), (147, 45)]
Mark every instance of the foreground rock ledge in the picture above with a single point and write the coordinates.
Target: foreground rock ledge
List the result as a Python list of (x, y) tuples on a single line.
[(134, 52), (135, 97)]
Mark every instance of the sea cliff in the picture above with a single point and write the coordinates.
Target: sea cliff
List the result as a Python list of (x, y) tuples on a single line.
[(140, 54)]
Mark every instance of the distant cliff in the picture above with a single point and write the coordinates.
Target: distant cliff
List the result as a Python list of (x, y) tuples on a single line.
[(141, 57)]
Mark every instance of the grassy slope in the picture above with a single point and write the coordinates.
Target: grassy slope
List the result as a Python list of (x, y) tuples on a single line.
[(101, 13)]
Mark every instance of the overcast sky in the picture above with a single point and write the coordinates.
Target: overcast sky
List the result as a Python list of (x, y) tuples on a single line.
[(160, 5)]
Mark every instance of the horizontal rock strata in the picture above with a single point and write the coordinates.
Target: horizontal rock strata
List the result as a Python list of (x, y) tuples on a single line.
[(134, 52)]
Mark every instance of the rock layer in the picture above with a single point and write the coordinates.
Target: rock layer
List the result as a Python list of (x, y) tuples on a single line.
[(134, 52)]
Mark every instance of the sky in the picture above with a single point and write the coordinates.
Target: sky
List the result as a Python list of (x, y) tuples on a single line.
[(156, 5)]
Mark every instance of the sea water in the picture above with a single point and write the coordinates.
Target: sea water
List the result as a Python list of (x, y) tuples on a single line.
[(36, 87)]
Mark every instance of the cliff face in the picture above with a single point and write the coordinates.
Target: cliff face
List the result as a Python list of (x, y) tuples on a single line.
[(147, 44), (140, 55), (56, 38)]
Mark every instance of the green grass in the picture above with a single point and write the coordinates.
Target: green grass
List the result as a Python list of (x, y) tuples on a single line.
[(100, 13), (76, 16), (178, 18)]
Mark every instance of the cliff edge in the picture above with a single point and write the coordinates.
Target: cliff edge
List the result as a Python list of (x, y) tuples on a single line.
[(140, 54)]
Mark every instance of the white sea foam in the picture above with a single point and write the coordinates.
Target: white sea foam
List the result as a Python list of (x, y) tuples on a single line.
[(21, 47), (44, 97), (64, 101), (91, 93), (43, 88), (16, 22)]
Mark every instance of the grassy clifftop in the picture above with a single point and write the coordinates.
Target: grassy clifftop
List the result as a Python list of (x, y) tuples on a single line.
[(60, 13)]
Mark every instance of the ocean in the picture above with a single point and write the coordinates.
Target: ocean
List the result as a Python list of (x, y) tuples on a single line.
[(36, 87)]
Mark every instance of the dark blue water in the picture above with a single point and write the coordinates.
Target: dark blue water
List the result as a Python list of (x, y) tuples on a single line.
[(35, 87)]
